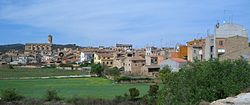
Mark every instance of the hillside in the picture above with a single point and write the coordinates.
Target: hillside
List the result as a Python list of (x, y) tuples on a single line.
[(21, 47), (4, 48)]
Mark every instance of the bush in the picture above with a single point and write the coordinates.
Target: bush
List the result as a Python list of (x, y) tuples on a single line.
[(206, 80), (52, 95), (11, 67), (134, 93), (97, 69), (113, 72), (10, 95)]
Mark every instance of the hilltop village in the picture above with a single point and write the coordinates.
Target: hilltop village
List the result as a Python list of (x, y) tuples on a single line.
[(229, 41)]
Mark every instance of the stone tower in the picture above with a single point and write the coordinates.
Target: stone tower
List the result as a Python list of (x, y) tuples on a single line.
[(50, 39)]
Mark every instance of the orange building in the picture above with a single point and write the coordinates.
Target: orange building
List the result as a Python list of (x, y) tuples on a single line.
[(182, 53)]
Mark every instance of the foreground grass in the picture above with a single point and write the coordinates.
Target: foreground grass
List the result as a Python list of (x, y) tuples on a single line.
[(83, 87), (21, 72)]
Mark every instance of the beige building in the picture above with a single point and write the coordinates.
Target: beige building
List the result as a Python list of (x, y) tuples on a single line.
[(133, 65), (195, 49), (35, 48), (235, 47), (231, 42), (105, 59), (150, 70)]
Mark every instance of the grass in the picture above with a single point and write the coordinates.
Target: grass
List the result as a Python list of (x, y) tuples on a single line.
[(83, 87), (21, 72)]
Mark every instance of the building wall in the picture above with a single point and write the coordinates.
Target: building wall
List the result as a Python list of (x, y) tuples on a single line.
[(182, 52), (97, 58), (133, 66), (175, 66), (235, 47)]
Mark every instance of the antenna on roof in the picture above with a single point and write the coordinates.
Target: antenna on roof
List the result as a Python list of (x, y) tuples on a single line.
[(224, 16), (208, 32)]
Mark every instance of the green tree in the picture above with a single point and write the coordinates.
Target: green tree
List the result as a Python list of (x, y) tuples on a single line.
[(113, 72), (134, 93), (206, 80), (97, 69), (165, 73)]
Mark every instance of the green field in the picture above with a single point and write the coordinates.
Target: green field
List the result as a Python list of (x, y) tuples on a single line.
[(19, 72), (83, 87)]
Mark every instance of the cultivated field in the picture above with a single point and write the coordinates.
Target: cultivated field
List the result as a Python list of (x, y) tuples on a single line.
[(21, 72), (83, 87), (68, 87)]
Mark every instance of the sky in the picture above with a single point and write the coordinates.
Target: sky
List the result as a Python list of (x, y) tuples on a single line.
[(161, 23)]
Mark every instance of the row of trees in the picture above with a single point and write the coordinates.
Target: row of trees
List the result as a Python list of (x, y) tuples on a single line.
[(204, 81)]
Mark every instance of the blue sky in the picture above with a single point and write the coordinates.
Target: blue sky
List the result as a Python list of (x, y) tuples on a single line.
[(106, 22)]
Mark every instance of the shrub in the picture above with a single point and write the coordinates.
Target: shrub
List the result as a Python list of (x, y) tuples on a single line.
[(113, 72), (52, 95), (11, 67), (97, 69), (11, 95), (134, 93), (206, 80)]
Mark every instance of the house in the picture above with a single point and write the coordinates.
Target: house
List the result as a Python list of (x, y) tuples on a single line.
[(133, 65), (105, 59), (86, 57), (174, 63), (195, 49), (124, 47), (229, 42), (150, 70)]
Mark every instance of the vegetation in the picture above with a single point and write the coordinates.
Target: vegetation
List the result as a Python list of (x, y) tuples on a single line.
[(10, 95), (134, 93), (21, 72), (165, 73), (51, 95), (84, 87), (129, 79), (5, 48), (97, 69), (113, 72), (206, 80)]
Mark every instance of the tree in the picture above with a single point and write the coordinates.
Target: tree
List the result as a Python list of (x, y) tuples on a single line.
[(113, 72), (153, 90), (165, 73), (97, 69), (134, 93), (151, 97), (205, 81)]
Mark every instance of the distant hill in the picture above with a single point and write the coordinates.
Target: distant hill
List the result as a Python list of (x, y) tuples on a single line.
[(21, 47), (4, 48)]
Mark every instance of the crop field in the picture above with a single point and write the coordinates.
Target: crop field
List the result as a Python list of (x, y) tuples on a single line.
[(21, 72), (83, 87)]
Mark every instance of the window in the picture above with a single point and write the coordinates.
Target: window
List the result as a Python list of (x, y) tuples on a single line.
[(111, 62), (135, 64), (221, 43), (107, 62), (108, 58)]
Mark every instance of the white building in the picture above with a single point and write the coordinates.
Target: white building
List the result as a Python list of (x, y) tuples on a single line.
[(86, 57), (174, 63)]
